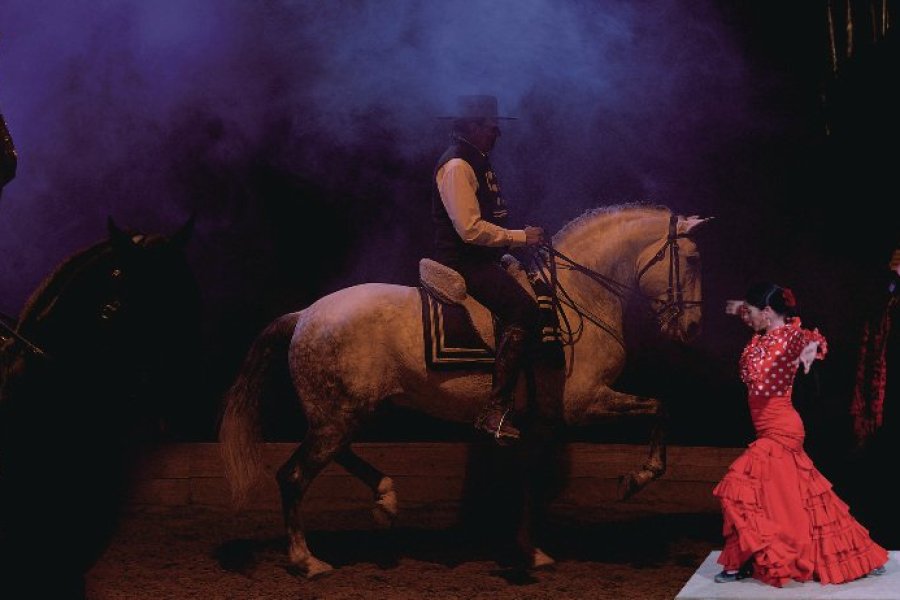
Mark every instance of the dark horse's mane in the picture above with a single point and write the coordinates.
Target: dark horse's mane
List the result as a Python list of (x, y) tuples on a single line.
[(70, 271), (43, 297)]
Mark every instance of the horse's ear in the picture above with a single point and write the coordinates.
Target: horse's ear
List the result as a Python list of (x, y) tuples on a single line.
[(116, 235), (184, 233), (687, 224)]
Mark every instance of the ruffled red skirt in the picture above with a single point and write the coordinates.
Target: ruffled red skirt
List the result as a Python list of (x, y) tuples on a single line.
[(780, 513)]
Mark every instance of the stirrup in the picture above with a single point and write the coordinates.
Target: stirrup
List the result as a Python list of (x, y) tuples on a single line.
[(504, 434), (501, 437)]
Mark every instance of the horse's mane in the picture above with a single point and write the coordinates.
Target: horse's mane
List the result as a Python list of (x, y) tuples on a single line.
[(72, 267), (42, 298), (623, 210)]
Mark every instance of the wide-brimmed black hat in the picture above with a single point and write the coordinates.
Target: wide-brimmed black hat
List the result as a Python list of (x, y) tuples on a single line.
[(477, 106)]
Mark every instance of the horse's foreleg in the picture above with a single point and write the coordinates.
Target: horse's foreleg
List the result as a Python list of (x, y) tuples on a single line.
[(655, 467), (386, 507), (294, 478), (610, 404)]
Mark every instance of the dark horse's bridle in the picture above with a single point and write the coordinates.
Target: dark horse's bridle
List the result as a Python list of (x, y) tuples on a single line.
[(105, 312), (664, 311)]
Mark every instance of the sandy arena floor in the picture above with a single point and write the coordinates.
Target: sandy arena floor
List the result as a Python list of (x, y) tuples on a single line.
[(198, 553)]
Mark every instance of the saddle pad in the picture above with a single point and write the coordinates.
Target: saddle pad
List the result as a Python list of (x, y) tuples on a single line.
[(451, 341)]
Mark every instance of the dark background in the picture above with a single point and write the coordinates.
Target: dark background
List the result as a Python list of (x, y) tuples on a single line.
[(303, 136)]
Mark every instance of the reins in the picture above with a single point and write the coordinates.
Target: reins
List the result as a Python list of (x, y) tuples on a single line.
[(548, 260), (546, 263), (22, 339)]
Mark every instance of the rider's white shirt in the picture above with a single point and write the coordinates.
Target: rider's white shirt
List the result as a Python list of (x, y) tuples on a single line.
[(457, 185)]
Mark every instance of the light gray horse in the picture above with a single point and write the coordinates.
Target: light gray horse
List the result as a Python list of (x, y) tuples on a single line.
[(363, 345)]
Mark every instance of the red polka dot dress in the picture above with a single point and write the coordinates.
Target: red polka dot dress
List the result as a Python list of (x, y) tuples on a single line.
[(779, 511)]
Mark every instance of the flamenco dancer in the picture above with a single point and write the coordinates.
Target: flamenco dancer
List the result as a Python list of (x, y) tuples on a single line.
[(781, 519)]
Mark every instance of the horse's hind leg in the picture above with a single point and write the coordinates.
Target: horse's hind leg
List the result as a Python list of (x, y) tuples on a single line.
[(385, 509), (319, 447)]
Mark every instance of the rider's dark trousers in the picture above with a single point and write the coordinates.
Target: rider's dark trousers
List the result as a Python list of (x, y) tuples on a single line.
[(519, 316), (493, 286)]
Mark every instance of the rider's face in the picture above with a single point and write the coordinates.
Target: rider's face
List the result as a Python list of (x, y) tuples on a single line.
[(483, 134)]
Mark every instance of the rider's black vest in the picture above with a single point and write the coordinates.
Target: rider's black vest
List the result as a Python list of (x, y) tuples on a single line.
[(449, 248)]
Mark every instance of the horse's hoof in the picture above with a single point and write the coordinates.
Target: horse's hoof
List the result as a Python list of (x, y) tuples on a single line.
[(317, 568), (384, 516), (627, 487), (386, 505), (540, 560)]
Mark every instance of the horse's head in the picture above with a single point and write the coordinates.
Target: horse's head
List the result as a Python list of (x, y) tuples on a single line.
[(125, 296), (151, 286), (669, 276)]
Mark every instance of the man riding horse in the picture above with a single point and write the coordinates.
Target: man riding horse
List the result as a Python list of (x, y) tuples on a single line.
[(469, 214)]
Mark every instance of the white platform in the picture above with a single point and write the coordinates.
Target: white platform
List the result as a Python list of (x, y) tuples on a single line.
[(702, 587)]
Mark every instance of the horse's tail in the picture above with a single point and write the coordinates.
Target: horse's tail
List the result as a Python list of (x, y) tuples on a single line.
[(240, 426)]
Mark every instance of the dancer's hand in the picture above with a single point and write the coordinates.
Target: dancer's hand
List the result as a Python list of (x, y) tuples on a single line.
[(808, 355), (733, 307)]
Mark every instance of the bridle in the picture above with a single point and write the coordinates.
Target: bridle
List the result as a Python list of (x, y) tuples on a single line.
[(674, 305), (549, 260)]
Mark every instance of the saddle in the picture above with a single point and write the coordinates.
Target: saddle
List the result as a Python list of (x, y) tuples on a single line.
[(461, 332)]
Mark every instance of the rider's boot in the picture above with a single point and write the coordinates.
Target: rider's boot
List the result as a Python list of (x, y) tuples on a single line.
[(494, 416)]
